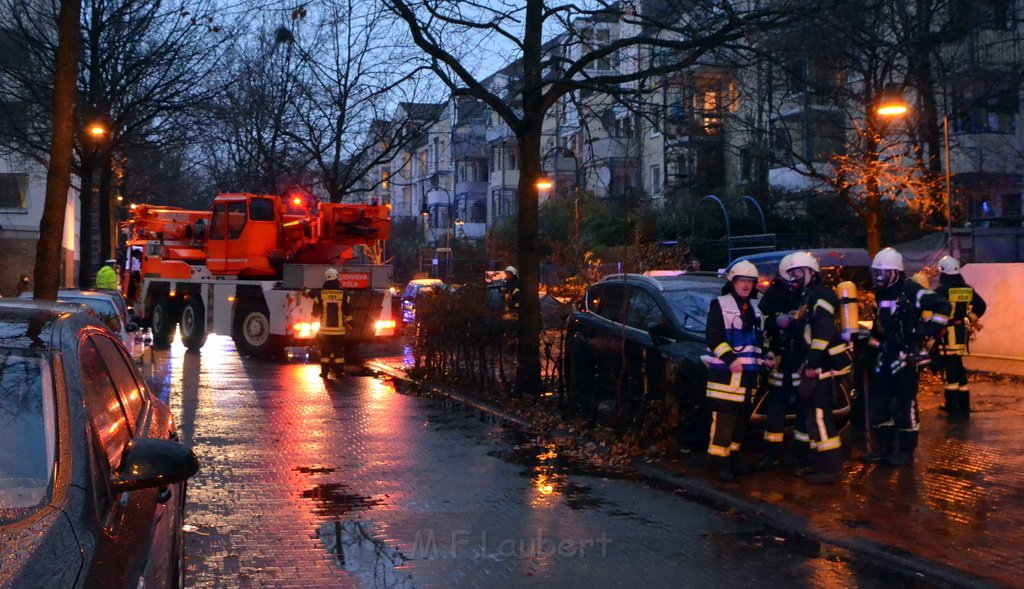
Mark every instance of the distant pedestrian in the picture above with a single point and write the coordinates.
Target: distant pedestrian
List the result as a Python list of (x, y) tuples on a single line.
[(106, 278), (734, 339), (510, 288), (898, 336), (826, 360), (24, 284), (779, 304), (967, 307), (332, 307)]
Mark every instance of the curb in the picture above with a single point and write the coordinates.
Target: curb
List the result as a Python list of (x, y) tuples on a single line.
[(776, 516)]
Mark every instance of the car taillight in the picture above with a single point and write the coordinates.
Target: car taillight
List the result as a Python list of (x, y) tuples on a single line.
[(384, 325)]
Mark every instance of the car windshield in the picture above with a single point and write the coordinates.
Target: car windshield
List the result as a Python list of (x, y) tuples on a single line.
[(690, 305), (103, 308), (27, 434)]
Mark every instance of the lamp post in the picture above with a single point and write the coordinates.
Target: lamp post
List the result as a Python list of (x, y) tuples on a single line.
[(892, 104), (449, 225)]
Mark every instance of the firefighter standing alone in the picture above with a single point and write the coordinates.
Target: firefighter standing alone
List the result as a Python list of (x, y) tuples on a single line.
[(331, 305), (967, 307), (734, 338)]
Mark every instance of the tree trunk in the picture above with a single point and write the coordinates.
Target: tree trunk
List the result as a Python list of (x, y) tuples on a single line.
[(107, 249), (528, 328), (58, 173), (86, 198)]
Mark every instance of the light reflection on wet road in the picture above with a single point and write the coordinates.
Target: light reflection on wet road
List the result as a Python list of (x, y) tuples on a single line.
[(354, 485)]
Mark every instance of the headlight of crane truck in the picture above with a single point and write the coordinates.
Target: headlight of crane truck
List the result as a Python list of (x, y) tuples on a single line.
[(245, 269)]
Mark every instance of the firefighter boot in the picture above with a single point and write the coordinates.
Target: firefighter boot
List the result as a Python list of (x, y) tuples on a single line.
[(736, 465), (771, 456), (883, 444), (721, 468), (965, 402), (905, 457), (828, 468), (952, 404)]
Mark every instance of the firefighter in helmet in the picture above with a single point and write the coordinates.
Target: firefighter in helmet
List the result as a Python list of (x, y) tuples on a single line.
[(826, 360), (106, 278), (510, 288), (734, 338), (332, 306), (967, 307), (899, 334), (779, 304)]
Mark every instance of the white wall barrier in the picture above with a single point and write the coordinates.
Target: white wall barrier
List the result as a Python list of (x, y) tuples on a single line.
[(999, 346)]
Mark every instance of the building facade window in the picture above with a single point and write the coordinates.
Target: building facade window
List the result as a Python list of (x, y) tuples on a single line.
[(14, 191), (656, 179)]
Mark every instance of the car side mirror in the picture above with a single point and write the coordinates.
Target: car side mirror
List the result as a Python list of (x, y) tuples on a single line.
[(151, 463), (660, 333)]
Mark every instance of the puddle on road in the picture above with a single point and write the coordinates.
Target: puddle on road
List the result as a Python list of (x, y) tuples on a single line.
[(361, 554), (333, 500)]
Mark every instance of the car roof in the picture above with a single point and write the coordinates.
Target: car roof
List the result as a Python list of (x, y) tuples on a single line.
[(680, 281), (827, 256), (28, 324), (426, 281)]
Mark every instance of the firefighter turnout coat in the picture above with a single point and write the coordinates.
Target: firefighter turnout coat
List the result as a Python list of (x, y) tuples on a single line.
[(966, 307), (733, 331), (330, 306), (900, 327)]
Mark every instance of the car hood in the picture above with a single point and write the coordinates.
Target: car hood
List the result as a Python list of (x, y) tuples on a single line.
[(41, 552)]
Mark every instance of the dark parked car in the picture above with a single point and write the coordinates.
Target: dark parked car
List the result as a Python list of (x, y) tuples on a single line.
[(644, 334), (637, 339), (92, 476), (414, 290)]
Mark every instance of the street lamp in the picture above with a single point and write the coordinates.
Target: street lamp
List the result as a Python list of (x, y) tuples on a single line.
[(892, 104)]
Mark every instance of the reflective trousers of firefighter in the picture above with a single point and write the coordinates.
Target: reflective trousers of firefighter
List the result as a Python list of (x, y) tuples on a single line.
[(332, 354), (818, 397), (776, 403), (892, 409), (729, 421)]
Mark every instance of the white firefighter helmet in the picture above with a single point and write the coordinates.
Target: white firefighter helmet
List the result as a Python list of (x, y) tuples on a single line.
[(804, 260), (512, 270), (888, 259), (784, 265), (949, 265), (330, 274), (742, 269)]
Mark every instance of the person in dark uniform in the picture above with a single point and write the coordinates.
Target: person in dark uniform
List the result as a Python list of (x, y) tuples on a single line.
[(330, 305), (967, 307), (511, 290), (826, 359), (898, 336), (779, 304), (734, 339)]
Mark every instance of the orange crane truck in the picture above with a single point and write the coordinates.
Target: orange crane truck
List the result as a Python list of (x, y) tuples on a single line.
[(246, 267)]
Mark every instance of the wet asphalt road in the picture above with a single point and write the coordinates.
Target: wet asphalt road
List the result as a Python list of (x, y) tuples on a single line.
[(423, 493)]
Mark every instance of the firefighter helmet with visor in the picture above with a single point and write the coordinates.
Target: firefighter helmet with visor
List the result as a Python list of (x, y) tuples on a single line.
[(949, 265), (330, 274)]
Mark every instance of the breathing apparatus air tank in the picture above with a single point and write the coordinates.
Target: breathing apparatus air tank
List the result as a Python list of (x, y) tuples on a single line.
[(849, 309)]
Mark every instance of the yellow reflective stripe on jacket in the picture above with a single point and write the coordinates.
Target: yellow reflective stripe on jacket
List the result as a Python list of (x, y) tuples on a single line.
[(825, 305), (819, 344), (722, 349)]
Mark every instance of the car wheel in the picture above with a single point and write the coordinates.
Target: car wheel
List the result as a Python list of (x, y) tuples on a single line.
[(252, 332), (161, 323), (193, 321)]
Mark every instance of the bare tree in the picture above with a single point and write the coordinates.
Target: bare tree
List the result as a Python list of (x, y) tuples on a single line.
[(58, 175), (139, 66), (551, 53)]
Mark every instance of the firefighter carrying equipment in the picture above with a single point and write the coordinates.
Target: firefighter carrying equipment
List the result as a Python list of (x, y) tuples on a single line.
[(742, 269), (849, 309)]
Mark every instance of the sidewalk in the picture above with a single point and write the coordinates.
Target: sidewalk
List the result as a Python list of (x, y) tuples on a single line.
[(955, 516)]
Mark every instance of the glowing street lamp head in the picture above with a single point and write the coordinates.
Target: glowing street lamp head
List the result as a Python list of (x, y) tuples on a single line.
[(544, 183), (891, 103), (96, 130)]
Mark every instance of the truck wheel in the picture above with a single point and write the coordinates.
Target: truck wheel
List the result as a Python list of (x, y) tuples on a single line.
[(161, 323), (193, 321), (252, 332)]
